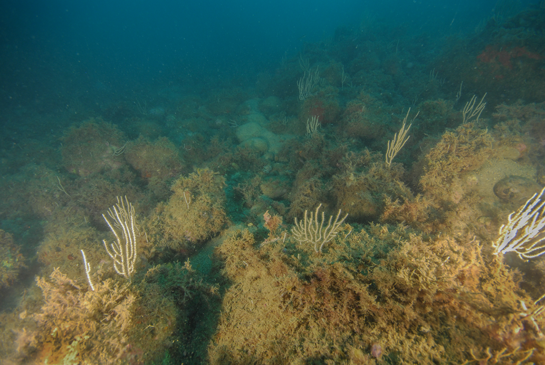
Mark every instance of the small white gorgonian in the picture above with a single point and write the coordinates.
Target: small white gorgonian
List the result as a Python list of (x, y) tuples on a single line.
[(523, 232)]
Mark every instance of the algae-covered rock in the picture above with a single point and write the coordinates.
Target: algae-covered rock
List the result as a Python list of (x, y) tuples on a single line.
[(93, 147), (194, 213), (256, 143), (516, 189), (157, 159), (274, 188), (271, 105), (248, 131), (11, 261), (254, 135)]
